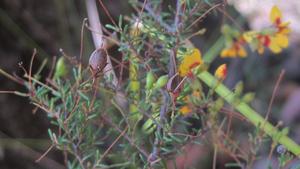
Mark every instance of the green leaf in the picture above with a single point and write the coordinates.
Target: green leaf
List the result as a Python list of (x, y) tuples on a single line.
[(248, 97)]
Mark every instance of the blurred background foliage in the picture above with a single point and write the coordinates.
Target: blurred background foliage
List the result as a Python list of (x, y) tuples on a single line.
[(50, 26)]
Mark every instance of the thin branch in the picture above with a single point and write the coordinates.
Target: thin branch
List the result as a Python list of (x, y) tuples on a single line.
[(107, 13), (111, 146), (44, 155), (110, 122), (274, 93), (81, 38), (30, 72), (11, 77), (204, 15)]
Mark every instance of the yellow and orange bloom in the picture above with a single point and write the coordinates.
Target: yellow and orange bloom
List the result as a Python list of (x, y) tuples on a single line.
[(276, 19), (236, 49), (190, 61), (276, 38), (221, 72), (279, 40), (185, 110)]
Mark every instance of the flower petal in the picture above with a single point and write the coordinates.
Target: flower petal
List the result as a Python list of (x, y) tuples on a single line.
[(242, 52), (190, 61), (282, 40), (275, 14), (274, 47), (185, 110)]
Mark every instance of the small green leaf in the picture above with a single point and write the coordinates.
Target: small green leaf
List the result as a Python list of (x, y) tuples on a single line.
[(238, 89), (248, 97), (285, 131)]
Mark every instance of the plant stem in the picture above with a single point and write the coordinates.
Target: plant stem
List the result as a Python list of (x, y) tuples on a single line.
[(249, 113), (214, 50)]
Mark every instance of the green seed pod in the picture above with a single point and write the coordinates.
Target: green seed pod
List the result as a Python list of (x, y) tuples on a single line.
[(150, 80), (60, 68), (161, 82), (149, 126)]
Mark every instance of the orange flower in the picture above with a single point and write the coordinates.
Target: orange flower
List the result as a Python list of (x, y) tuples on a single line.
[(221, 72), (190, 61), (185, 110), (187, 106), (236, 49)]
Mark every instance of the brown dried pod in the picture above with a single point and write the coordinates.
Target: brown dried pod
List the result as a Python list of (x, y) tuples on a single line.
[(97, 61)]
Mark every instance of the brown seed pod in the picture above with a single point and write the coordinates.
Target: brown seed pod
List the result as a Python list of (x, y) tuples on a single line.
[(97, 61)]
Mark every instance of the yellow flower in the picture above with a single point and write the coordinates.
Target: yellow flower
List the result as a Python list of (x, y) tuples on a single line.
[(236, 49), (221, 72), (276, 19), (190, 61), (279, 40), (185, 110)]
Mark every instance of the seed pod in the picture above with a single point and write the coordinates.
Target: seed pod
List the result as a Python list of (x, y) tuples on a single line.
[(60, 68), (161, 81), (97, 61), (149, 80)]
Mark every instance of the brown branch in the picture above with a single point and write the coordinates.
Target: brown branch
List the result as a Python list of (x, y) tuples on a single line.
[(274, 93), (111, 146), (108, 121), (204, 15)]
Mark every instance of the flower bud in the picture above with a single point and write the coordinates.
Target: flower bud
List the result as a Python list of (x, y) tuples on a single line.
[(221, 72)]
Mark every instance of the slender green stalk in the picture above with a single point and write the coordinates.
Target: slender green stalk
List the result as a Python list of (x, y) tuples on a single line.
[(214, 50), (249, 113)]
